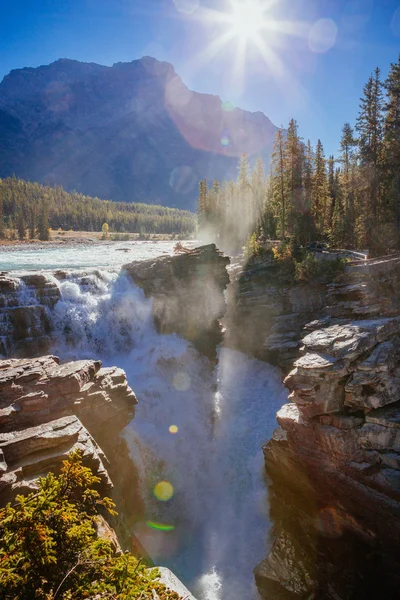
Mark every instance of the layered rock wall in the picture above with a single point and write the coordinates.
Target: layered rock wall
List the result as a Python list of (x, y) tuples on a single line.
[(25, 326), (334, 461), (48, 409), (266, 316)]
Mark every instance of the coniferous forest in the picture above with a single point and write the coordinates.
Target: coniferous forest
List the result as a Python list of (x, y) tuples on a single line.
[(351, 200), (30, 209)]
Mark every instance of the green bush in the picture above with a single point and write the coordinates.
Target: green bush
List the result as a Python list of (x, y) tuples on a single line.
[(49, 548), (255, 249), (321, 270)]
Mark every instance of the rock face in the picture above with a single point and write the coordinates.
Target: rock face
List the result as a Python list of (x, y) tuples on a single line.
[(130, 132), (266, 317), (24, 320), (334, 461), (47, 410), (187, 292)]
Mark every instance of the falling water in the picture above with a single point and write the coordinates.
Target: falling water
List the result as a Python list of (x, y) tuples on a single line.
[(196, 437)]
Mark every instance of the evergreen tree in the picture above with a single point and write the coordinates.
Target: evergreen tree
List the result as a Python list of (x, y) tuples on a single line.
[(32, 222), (2, 228), (293, 150), (320, 190), (278, 179), (370, 129), (392, 137), (43, 227), (258, 193), (347, 145), (21, 223)]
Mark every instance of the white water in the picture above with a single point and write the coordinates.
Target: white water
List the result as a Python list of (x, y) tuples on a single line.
[(105, 254), (214, 462)]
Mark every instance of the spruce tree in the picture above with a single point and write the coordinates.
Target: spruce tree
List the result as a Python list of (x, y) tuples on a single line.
[(278, 177), (32, 222), (43, 225), (293, 149), (2, 228), (21, 223), (370, 129), (320, 190), (258, 193), (392, 137)]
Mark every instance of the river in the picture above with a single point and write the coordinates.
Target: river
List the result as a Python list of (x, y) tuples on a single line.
[(198, 429)]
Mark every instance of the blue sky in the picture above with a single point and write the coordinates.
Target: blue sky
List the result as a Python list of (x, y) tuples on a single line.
[(313, 60)]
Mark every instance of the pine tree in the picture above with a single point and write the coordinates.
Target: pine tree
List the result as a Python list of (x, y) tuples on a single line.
[(392, 137), (370, 129), (347, 145), (2, 228), (278, 179), (21, 223), (202, 204), (258, 193), (43, 227), (293, 150), (308, 175), (32, 222), (320, 190)]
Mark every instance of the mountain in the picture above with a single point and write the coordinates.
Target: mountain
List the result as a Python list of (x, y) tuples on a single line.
[(130, 132)]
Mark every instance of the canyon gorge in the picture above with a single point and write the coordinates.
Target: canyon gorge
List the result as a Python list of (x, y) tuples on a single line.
[(189, 391)]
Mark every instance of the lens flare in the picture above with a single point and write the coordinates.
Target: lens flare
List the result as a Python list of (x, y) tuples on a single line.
[(163, 491), (225, 141), (322, 36), (173, 429), (187, 7), (160, 526), (182, 381), (227, 106)]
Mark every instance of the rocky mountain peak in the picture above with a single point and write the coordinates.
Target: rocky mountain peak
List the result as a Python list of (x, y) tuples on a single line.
[(124, 132)]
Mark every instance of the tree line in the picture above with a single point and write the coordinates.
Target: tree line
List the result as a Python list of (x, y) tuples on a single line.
[(31, 209), (350, 200)]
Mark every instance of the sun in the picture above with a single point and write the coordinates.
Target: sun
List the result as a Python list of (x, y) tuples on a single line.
[(247, 18)]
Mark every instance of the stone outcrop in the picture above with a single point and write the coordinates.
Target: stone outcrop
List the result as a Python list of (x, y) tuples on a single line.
[(48, 409), (334, 461), (24, 320), (187, 292), (266, 316)]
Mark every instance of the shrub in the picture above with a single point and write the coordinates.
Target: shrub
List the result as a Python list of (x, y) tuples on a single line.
[(322, 270), (49, 548), (255, 249)]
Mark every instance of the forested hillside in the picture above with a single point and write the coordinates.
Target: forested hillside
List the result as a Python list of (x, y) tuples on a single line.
[(351, 200), (31, 206)]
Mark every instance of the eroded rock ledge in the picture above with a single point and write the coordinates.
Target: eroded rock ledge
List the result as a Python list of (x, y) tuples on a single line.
[(48, 409), (187, 292), (334, 463)]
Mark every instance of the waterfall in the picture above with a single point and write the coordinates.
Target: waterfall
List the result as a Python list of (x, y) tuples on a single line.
[(196, 437)]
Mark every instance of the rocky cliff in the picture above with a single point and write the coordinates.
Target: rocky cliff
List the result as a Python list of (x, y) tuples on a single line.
[(49, 409), (131, 132), (266, 316), (187, 292), (24, 320), (334, 461)]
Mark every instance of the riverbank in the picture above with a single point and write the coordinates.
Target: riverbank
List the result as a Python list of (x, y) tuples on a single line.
[(65, 239)]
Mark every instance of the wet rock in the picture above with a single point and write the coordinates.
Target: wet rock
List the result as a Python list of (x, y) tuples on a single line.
[(24, 320), (187, 291)]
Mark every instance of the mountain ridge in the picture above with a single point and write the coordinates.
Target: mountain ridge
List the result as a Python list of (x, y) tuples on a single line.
[(133, 131)]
